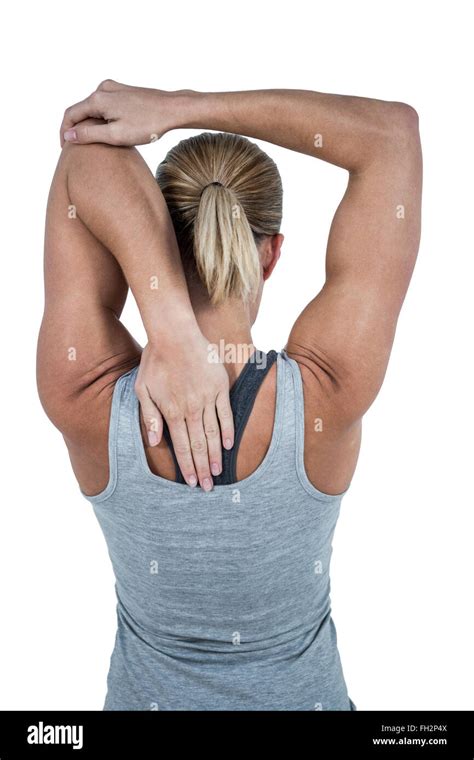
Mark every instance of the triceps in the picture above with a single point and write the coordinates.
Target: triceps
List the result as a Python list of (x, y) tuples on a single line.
[(82, 345)]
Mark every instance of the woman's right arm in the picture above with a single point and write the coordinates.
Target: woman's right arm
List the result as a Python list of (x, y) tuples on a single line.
[(343, 338), (345, 334)]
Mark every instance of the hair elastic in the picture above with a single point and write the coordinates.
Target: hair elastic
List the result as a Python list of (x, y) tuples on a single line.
[(210, 183)]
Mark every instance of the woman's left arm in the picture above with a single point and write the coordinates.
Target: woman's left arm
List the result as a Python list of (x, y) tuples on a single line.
[(117, 198)]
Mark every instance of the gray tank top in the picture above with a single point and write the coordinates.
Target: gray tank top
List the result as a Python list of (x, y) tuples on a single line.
[(223, 598)]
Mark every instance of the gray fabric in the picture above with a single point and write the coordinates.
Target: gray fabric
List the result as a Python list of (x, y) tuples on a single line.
[(222, 597)]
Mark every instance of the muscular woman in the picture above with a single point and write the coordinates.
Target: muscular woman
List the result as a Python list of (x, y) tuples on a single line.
[(217, 493)]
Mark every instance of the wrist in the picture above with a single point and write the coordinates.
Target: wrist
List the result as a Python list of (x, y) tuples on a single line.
[(173, 333), (193, 109)]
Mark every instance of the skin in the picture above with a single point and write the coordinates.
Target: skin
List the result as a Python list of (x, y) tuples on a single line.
[(341, 341)]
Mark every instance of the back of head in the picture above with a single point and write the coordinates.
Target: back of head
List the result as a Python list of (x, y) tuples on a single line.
[(224, 194)]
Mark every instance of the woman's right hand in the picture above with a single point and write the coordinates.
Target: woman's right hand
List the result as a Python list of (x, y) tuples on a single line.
[(130, 115)]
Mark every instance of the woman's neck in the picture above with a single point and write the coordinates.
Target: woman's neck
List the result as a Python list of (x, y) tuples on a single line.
[(227, 327)]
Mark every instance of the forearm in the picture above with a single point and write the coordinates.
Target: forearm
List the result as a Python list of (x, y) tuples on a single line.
[(116, 196), (343, 130)]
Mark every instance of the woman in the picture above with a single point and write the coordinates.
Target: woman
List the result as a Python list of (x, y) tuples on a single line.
[(222, 588)]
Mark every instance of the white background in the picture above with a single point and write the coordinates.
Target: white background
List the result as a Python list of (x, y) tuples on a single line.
[(403, 556)]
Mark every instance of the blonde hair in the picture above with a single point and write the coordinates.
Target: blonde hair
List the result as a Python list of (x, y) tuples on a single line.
[(224, 195)]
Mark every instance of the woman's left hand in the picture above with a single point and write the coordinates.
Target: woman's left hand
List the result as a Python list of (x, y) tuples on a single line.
[(183, 385)]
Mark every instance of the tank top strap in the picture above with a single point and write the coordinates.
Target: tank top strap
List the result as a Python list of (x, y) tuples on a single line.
[(128, 420), (291, 455), (123, 456), (288, 408)]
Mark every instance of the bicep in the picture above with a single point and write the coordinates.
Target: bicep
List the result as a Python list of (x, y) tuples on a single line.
[(344, 336)]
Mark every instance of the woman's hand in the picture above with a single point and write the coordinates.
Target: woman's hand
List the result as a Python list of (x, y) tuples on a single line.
[(130, 115), (192, 393)]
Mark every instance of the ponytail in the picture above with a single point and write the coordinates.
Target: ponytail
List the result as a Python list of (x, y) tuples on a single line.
[(225, 250)]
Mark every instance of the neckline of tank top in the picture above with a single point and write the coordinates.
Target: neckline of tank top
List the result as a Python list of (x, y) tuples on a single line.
[(218, 489)]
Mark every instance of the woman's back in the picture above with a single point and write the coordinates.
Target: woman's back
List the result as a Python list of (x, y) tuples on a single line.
[(223, 597), (330, 454)]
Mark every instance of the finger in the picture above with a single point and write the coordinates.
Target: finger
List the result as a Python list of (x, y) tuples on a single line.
[(83, 134), (182, 448), (212, 433), (90, 107), (152, 419), (226, 419), (197, 437)]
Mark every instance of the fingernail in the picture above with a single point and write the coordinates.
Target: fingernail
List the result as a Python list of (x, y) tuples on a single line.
[(207, 484), (215, 469), (152, 438), (228, 443), (192, 480), (70, 135)]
